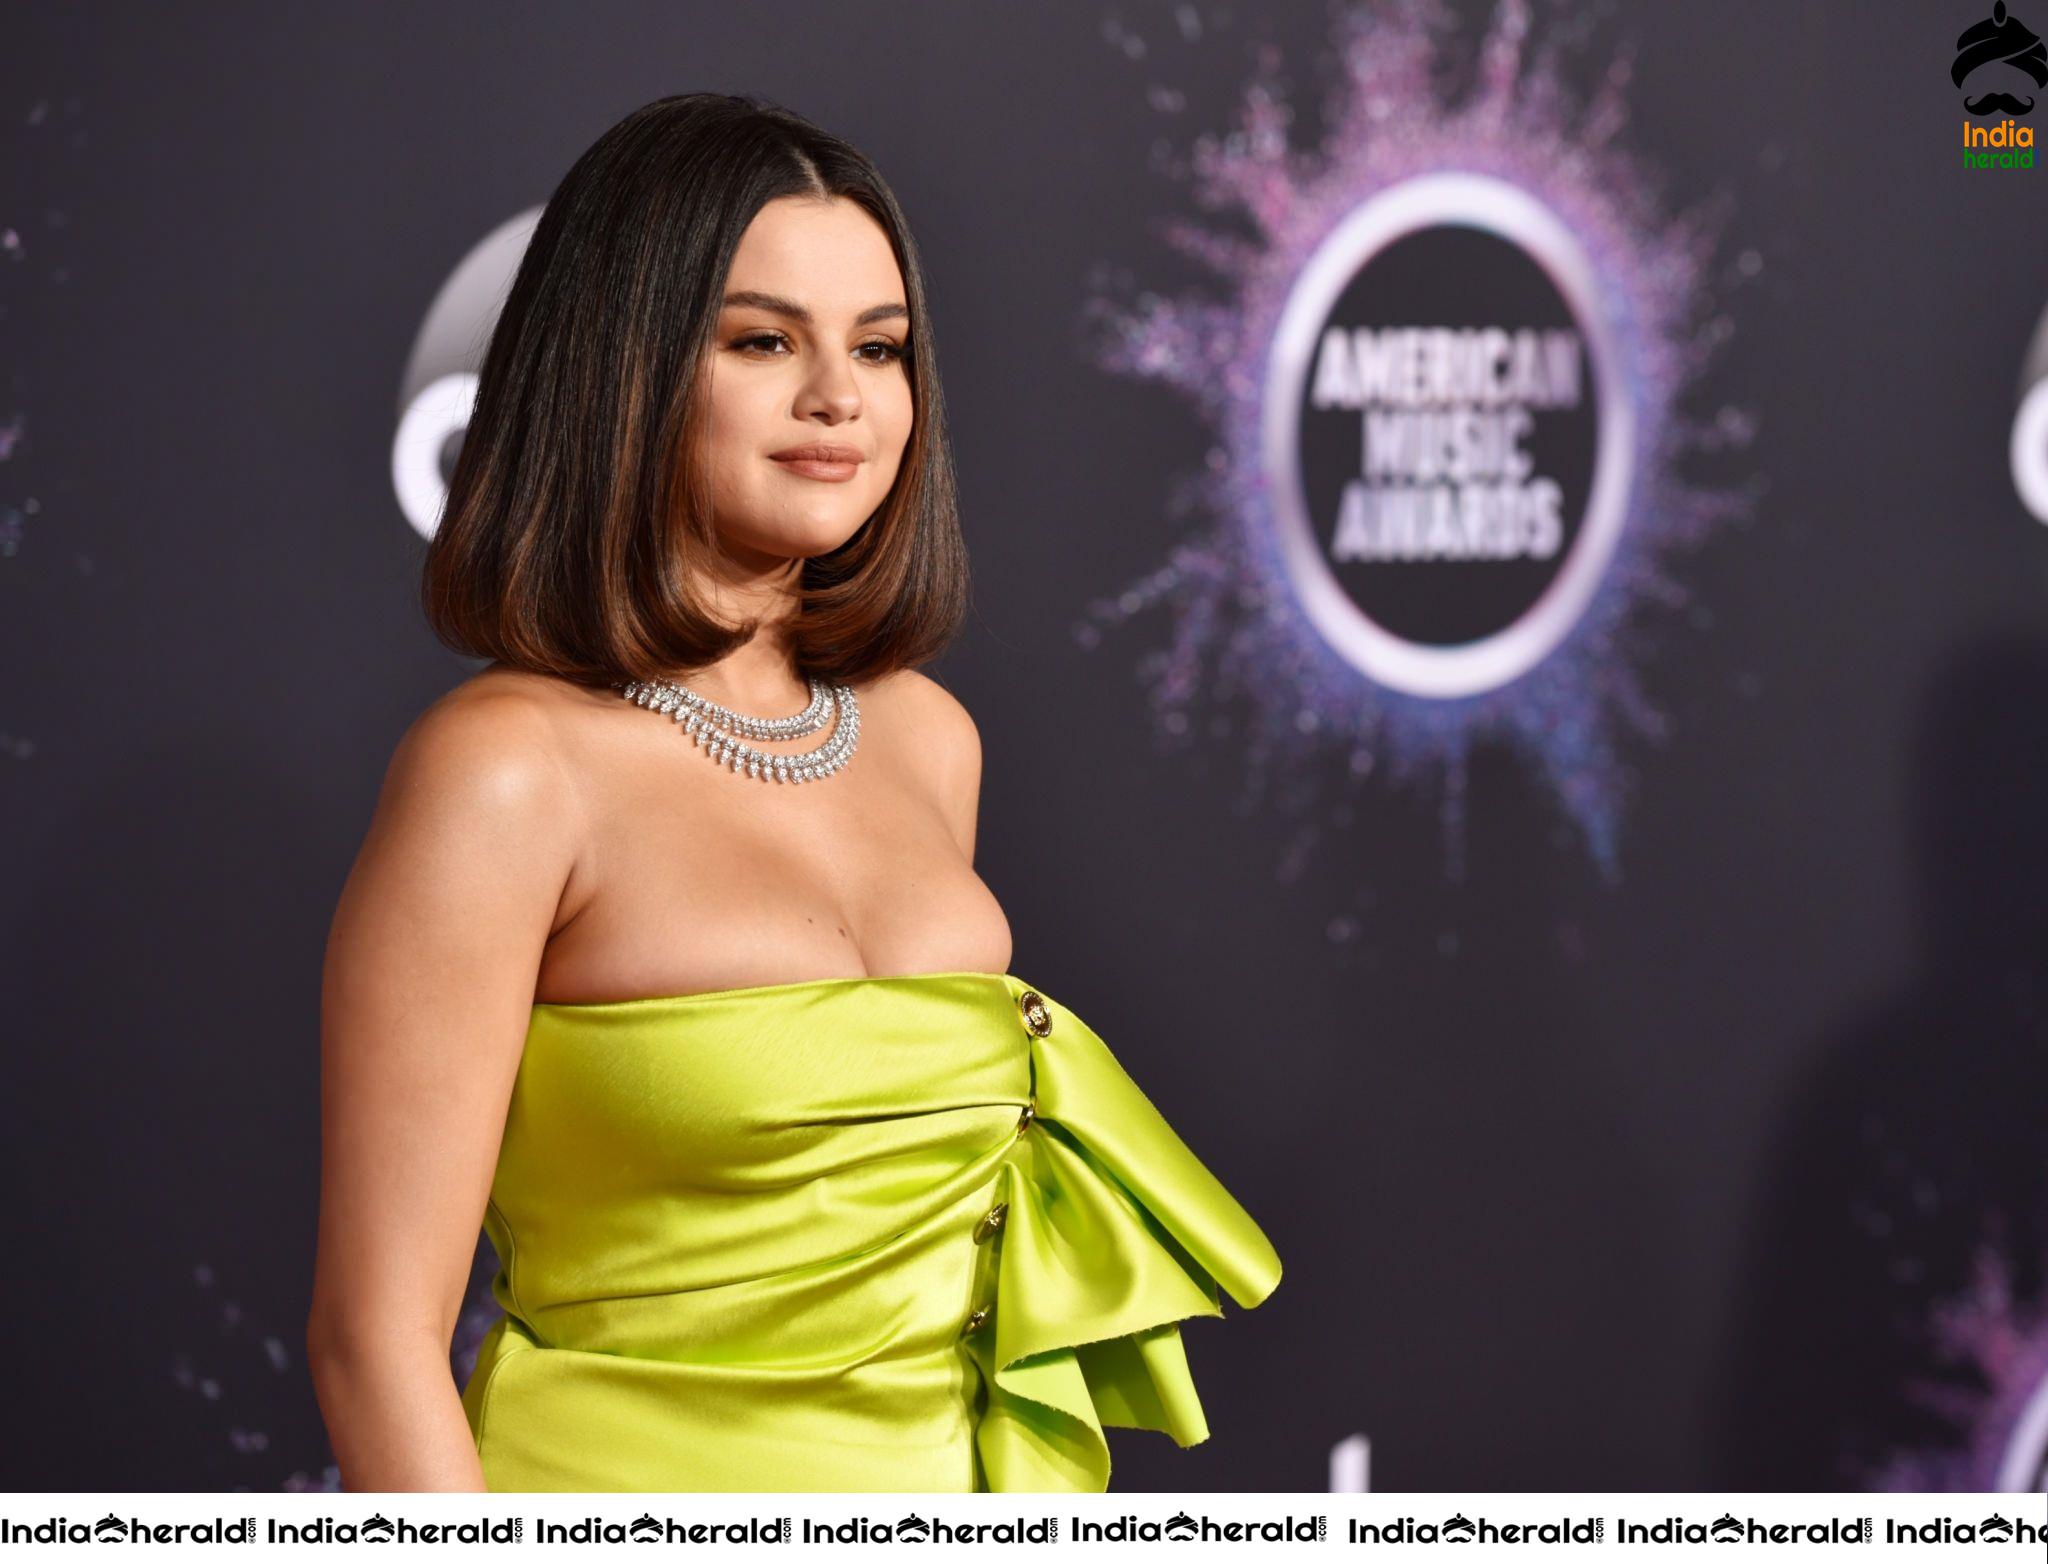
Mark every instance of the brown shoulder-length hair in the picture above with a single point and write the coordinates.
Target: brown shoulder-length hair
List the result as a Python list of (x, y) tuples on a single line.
[(575, 509)]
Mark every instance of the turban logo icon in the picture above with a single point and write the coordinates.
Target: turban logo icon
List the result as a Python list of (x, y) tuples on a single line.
[(2004, 39)]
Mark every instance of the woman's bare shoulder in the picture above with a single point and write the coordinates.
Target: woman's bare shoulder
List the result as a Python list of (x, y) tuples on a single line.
[(927, 722), (475, 838), (511, 689), (917, 697), (503, 732)]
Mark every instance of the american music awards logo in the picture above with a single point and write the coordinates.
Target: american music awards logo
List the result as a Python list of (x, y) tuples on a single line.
[(2000, 64), (1447, 446), (1452, 382), (438, 391)]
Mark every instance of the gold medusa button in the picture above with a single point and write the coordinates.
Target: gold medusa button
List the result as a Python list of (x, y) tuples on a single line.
[(986, 1227), (1036, 1017), (977, 1319), (1030, 1112)]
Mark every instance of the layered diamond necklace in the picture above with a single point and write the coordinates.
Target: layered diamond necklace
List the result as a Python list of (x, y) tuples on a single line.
[(722, 732)]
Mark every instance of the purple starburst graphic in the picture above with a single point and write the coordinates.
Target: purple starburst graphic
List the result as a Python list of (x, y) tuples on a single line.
[(1239, 629), (2001, 1419)]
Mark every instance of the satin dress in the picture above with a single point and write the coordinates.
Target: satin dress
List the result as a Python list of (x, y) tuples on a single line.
[(882, 1234)]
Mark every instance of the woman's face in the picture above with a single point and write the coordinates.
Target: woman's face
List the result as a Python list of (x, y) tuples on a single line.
[(809, 350)]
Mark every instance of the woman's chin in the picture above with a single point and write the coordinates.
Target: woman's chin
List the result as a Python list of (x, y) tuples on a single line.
[(809, 538), (799, 537)]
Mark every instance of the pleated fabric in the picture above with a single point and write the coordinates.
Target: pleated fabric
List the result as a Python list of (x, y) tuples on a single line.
[(857, 1234)]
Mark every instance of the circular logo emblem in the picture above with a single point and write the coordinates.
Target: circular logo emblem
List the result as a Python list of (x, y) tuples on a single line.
[(1446, 445), (439, 390), (2023, 1464)]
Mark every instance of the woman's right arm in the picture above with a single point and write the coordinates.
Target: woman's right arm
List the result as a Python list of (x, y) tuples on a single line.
[(425, 1000)]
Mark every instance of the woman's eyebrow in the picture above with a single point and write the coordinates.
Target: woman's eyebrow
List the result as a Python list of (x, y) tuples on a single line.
[(798, 312)]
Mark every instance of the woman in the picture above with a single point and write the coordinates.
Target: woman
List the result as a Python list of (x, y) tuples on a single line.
[(792, 1184)]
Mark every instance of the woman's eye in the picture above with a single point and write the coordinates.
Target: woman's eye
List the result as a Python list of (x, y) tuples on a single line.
[(882, 352)]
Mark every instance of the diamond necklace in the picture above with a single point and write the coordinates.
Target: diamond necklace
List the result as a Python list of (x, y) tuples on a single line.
[(716, 729)]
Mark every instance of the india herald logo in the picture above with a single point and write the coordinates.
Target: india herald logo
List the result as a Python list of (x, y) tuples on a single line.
[(2005, 48)]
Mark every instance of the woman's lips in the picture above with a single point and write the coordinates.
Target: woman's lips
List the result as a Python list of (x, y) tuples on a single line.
[(811, 467)]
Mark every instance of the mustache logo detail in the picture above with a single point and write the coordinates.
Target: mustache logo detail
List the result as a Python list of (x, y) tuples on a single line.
[(2005, 39)]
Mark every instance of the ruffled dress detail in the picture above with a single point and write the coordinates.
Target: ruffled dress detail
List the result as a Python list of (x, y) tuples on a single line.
[(913, 1234)]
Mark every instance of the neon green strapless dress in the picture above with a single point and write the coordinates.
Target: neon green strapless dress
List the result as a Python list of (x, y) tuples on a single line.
[(902, 1234)]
